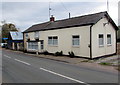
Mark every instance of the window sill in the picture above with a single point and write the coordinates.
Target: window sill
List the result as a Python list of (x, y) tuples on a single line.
[(53, 45), (77, 46), (101, 45), (32, 49), (36, 37), (109, 44)]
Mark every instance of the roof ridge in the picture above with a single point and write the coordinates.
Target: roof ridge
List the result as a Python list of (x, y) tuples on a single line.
[(72, 17), (88, 19), (81, 16)]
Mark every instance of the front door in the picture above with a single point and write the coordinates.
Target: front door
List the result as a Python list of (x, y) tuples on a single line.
[(41, 45)]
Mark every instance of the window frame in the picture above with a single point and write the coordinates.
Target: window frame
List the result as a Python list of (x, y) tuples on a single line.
[(99, 40), (53, 41), (33, 46), (73, 41), (36, 34), (110, 39)]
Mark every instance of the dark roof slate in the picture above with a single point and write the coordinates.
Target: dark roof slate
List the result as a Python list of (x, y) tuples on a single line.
[(72, 22)]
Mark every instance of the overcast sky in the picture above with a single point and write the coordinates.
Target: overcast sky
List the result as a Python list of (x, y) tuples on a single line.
[(26, 13)]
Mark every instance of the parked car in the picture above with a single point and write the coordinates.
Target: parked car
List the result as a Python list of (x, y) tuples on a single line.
[(3, 45)]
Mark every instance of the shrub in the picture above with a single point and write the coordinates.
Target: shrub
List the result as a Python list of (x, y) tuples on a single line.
[(25, 51), (58, 53), (71, 54), (45, 52), (61, 52), (105, 63)]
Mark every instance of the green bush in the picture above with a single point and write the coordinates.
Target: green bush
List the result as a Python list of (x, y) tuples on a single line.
[(105, 63), (71, 54), (25, 51), (45, 52), (58, 53)]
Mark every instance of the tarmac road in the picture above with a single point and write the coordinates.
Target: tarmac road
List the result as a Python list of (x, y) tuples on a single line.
[(22, 68)]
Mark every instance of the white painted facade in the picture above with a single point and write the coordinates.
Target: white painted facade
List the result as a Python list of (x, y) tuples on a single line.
[(97, 29), (83, 50)]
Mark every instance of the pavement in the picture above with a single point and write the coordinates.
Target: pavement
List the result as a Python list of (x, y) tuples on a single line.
[(27, 68)]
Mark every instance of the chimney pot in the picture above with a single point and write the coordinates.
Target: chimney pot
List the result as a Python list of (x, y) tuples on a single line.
[(52, 18)]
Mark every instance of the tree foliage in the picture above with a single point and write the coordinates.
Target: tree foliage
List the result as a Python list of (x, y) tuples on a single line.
[(6, 28), (118, 36)]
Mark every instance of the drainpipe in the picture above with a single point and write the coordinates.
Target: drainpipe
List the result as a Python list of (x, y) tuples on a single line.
[(91, 41), (23, 43), (116, 42)]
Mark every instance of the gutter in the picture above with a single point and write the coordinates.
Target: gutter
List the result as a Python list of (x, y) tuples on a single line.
[(90, 46)]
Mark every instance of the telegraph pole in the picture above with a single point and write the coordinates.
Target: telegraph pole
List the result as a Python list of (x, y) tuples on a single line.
[(107, 5), (49, 10)]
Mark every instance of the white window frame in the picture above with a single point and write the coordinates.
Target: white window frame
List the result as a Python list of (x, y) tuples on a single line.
[(99, 42), (73, 41), (36, 34), (53, 41), (33, 46), (109, 42)]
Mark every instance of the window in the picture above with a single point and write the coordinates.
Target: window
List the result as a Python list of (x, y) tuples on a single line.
[(109, 39), (49, 40), (33, 45), (101, 40), (36, 34), (55, 40), (26, 35), (52, 40), (75, 40), (42, 44)]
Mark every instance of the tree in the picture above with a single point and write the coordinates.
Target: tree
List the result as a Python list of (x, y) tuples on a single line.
[(118, 36), (6, 28)]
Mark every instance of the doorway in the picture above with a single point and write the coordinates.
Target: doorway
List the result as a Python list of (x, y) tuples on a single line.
[(41, 44)]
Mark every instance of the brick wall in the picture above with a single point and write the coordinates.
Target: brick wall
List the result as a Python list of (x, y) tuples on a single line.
[(118, 48)]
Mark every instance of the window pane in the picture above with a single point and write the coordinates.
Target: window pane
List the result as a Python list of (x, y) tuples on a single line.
[(108, 38), (100, 35), (75, 40), (101, 39), (36, 34), (42, 47), (49, 41), (33, 45), (53, 40), (76, 36), (26, 35)]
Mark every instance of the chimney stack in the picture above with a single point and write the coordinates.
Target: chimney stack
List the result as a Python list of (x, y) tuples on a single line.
[(52, 18)]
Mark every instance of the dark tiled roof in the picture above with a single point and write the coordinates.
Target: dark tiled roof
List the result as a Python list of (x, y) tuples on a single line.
[(72, 22)]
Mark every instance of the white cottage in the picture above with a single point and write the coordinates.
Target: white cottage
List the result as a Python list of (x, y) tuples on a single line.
[(89, 36)]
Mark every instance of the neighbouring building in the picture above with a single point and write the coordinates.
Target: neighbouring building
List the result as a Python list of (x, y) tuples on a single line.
[(90, 36), (118, 34), (15, 41)]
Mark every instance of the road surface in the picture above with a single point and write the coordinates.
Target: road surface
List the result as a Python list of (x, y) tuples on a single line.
[(23, 68)]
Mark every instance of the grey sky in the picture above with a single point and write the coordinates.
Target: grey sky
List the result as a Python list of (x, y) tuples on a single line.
[(119, 13), (25, 14)]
